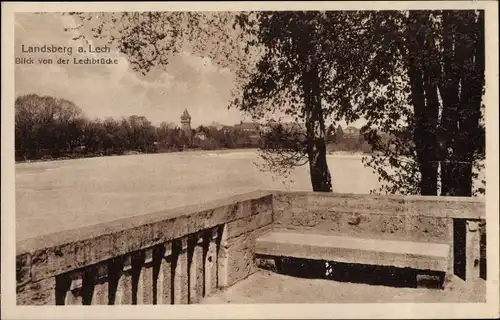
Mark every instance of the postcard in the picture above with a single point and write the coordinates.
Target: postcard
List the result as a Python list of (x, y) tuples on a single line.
[(250, 160)]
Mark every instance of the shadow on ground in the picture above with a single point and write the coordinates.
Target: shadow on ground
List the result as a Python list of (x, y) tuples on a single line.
[(359, 273), (269, 287)]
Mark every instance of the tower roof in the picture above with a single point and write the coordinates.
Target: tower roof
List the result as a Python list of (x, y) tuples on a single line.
[(185, 115)]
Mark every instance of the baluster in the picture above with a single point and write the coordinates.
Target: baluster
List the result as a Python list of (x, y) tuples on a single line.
[(200, 267), (180, 260), (222, 258), (162, 272), (195, 261), (74, 294), (211, 262), (148, 276), (101, 285), (124, 283), (139, 277)]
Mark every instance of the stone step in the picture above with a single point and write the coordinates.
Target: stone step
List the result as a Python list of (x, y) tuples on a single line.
[(400, 254)]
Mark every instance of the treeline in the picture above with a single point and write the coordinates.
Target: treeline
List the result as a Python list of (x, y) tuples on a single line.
[(51, 128), (339, 141)]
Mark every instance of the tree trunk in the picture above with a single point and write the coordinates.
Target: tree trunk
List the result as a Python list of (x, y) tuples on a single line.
[(313, 112), (462, 87), (430, 120), (470, 101), (316, 130), (422, 74), (449, 89)]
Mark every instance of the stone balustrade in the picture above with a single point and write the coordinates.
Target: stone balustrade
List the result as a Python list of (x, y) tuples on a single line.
[(181, 255), (171, 257)]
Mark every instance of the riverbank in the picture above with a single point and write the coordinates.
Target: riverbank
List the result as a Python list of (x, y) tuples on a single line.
[(125, 153), (343, 154)]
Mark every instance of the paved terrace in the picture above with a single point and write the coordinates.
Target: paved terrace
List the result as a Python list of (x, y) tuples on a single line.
[(267, 247)]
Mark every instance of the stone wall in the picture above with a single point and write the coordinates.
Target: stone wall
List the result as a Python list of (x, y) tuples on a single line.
[(457, 221), (176, 256), (179, 256), (417, 218)]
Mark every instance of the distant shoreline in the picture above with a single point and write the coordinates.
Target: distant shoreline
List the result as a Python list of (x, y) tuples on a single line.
[(126, 153), (346, 154)]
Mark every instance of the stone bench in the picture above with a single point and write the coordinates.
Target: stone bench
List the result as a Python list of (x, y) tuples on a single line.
[(391, 253)]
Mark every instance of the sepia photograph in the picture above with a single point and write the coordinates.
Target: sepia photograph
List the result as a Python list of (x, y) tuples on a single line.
[(251, 156)]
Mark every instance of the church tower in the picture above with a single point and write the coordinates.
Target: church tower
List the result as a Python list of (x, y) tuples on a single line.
[(186, 123)]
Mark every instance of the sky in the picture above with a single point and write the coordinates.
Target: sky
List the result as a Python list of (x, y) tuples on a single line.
[(188, 82)]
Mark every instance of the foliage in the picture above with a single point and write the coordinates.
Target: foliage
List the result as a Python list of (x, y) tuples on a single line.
[(304, 64), (48, 128), (46, 123), (282, 148), (417, 78), (432, 108), (310, 71)]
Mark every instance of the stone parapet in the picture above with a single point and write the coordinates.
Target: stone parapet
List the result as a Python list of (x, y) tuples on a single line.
[(442, 220), (182, 255), (419, 218), (120, 262)]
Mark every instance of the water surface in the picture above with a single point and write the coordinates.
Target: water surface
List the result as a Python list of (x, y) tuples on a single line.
[(67, 194)]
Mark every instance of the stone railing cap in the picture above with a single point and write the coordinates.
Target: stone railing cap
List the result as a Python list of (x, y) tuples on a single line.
[(115, 226), (376, 196)]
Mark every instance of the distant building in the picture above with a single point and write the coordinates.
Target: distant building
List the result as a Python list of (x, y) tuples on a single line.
[(250, 128), (200, 136), (294, 127), (217, 126), (351, 131), (247, 127), (186, 123), (221, 127)]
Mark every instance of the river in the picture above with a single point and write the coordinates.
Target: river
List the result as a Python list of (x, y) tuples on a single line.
[(68, 194)]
